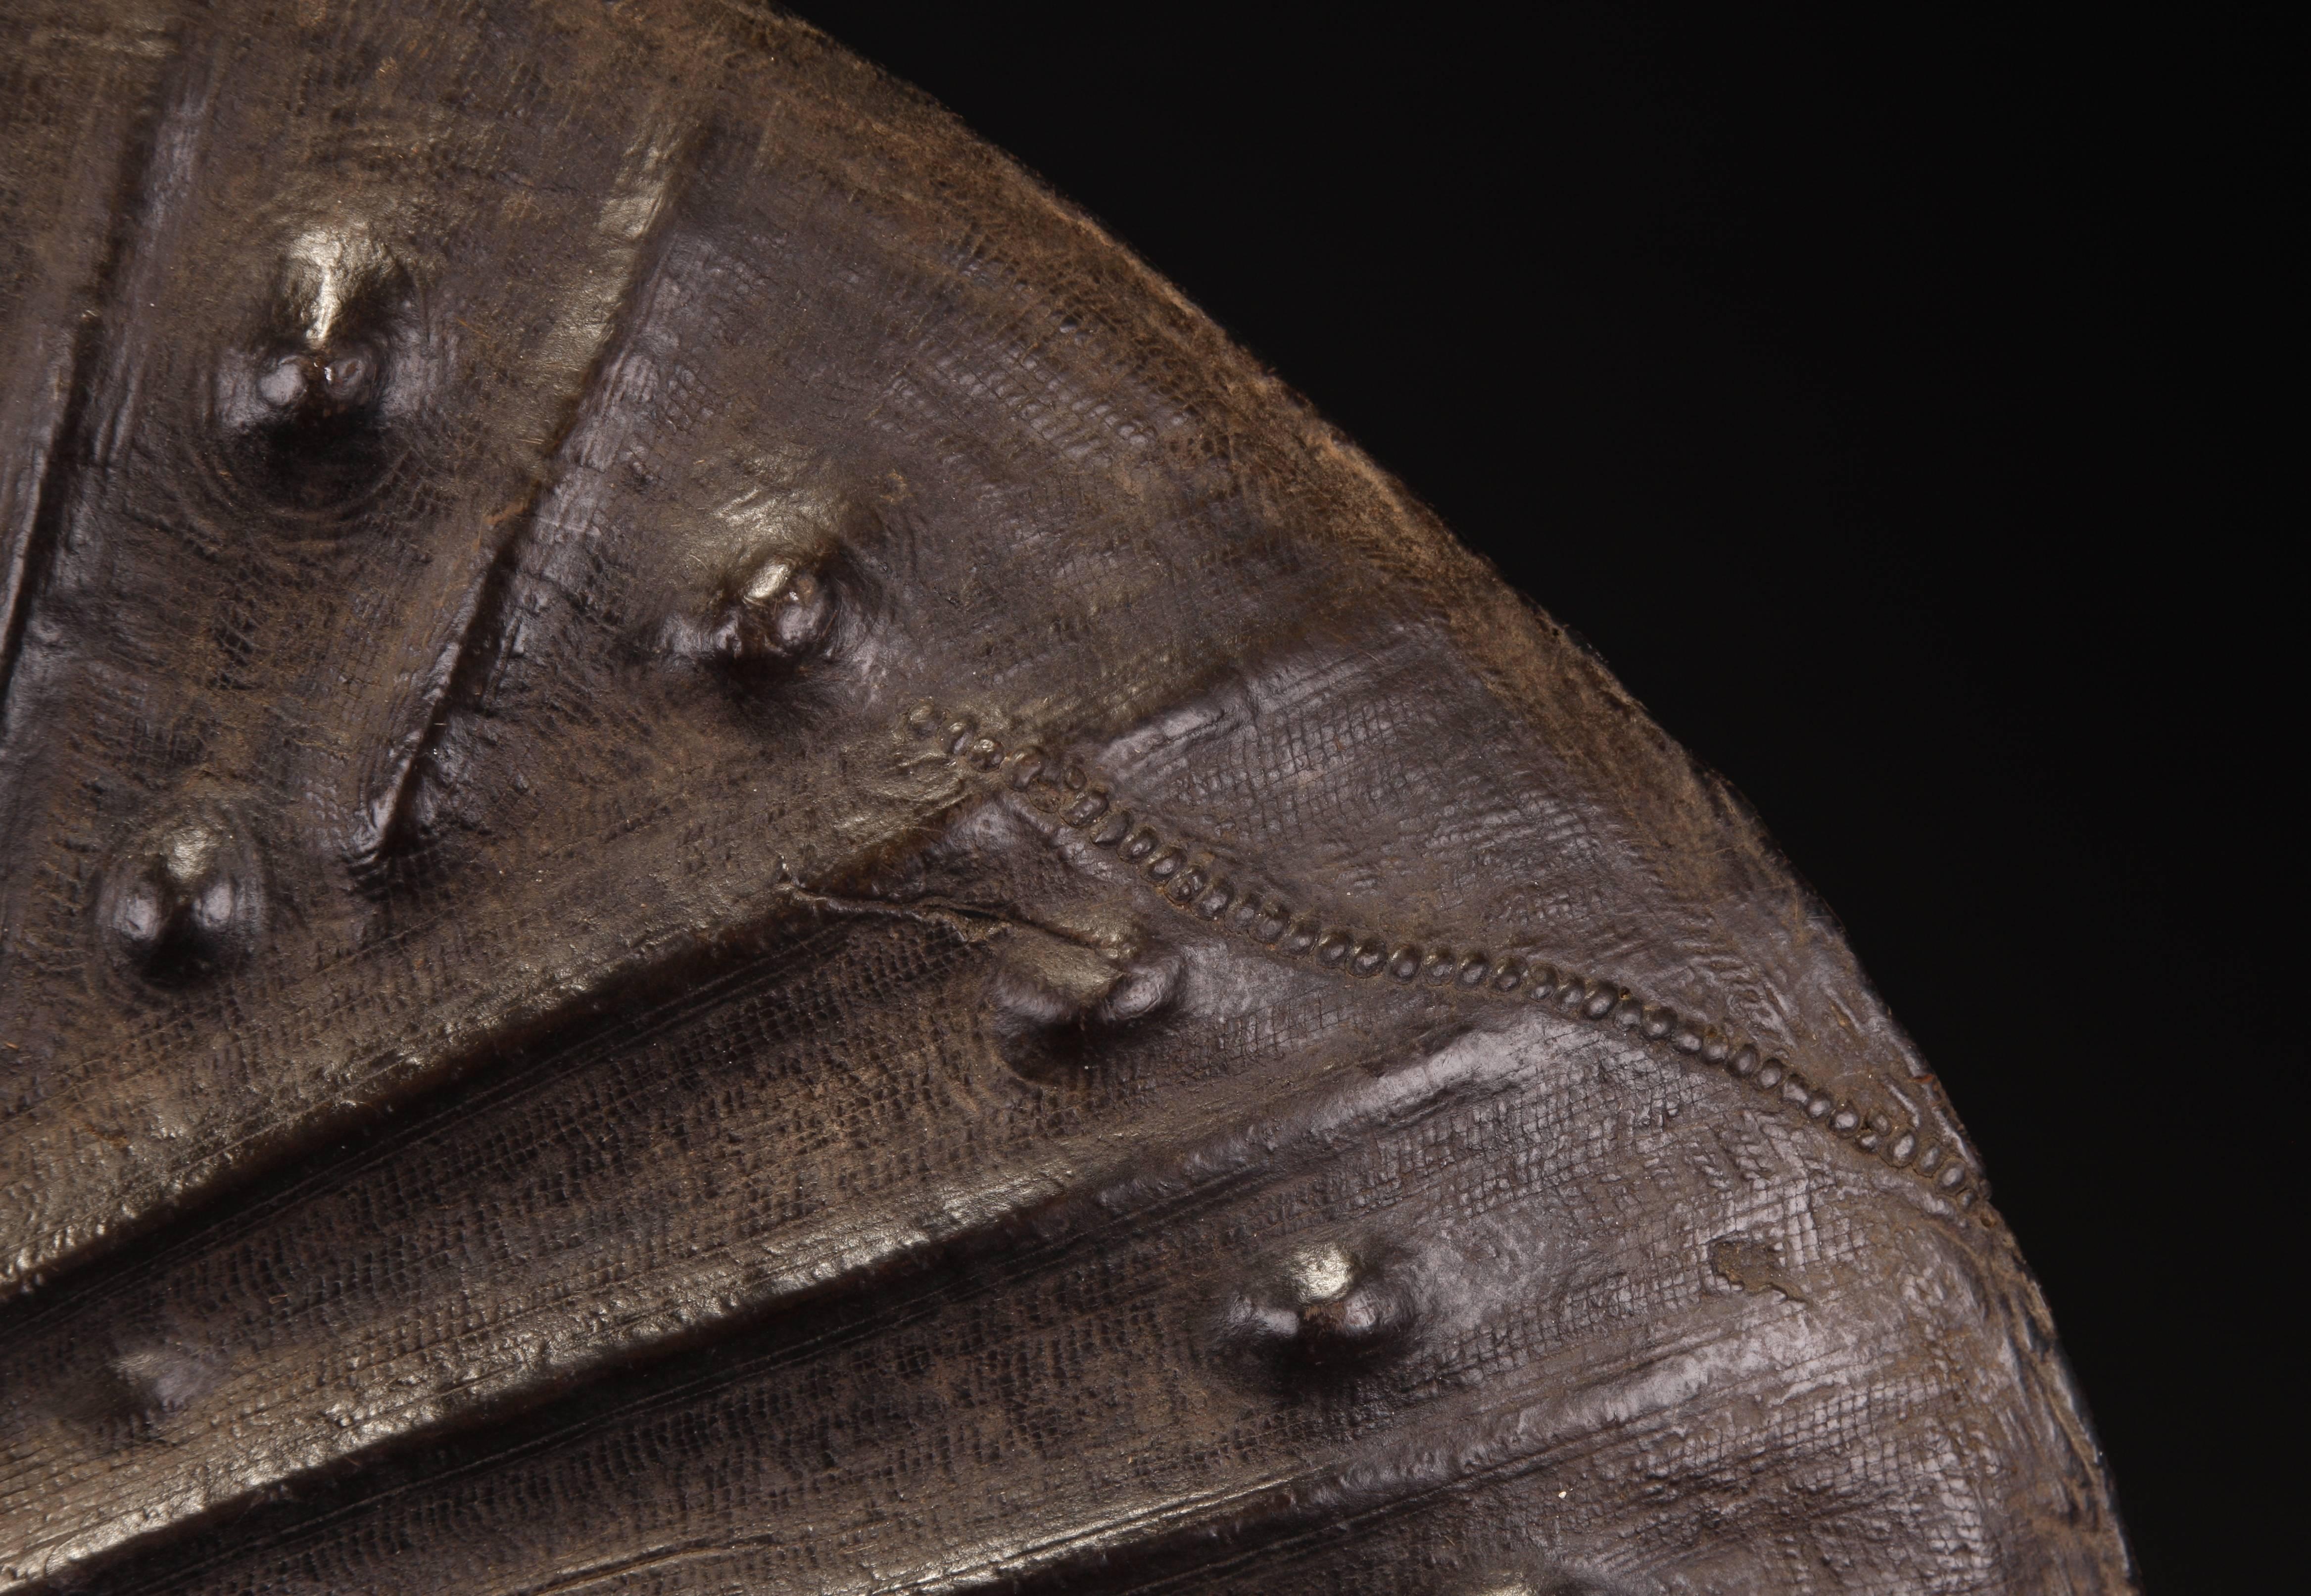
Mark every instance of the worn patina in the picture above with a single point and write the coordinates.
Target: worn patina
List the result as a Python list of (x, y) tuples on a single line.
[(726, 865)]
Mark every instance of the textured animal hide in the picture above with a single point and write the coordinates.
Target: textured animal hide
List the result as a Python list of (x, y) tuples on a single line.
[(728, 867)]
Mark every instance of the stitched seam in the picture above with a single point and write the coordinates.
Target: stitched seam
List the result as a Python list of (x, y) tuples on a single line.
[(1191, 878)]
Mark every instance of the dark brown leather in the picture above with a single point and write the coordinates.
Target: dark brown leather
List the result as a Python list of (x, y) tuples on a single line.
[(728, 867)]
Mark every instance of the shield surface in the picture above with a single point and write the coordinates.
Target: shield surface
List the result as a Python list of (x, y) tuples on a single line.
[(727, 865)]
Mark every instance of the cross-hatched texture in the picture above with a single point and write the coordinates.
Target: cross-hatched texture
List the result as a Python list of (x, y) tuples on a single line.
[(725, 866)]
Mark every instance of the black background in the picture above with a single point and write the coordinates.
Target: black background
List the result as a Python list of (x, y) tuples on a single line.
[(1892, 398)]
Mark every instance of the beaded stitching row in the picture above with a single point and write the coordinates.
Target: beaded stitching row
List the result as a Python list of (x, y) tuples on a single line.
[(1190, 879)]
